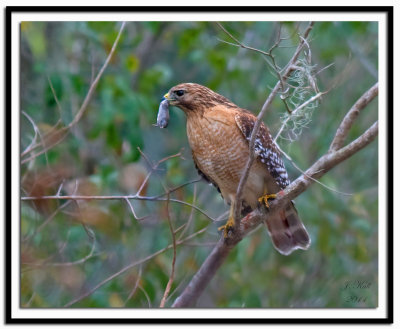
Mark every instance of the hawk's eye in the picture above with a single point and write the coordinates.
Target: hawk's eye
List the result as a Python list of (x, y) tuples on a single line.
[(179, 92)]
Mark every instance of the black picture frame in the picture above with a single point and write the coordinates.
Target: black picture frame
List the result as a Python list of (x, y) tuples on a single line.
[(7, 131)]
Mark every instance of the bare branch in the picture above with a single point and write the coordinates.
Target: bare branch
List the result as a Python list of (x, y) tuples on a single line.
[(56, 99), (155, 166), (55, 137), (238, 43), (37, 133), (113, 197), (93, 86), (360, 54), (125, 198), (134, 287), (128, 267), (277, 69), (65, 264), (63, 132), (146, 295), (133, 211), (187, 224), (179, 187), (47, 221), (29, 302), (304, 173), (171, 277), (351, 116), (46, 262), (51, 217)]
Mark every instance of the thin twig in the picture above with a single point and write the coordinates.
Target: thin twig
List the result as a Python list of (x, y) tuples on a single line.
[(187, 224), (313, 179), (135, 286), (351, 116), (154, 167), (51, 217), (113, 197), (93, 86), (29, 302), (57, 101), (146, 295), (63, 132), (178, 287), (268, 54), (35, 129), (361, 55), (46, 260), (170, 191), (128, 267), (37, 133), (200, 244), (134, 213), (65, 264), (171, 277), (239, 44)]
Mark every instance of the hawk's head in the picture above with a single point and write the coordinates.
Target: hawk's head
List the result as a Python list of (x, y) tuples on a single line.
[(194, 97)]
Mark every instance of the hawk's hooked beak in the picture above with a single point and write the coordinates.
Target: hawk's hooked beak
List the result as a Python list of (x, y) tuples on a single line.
[(170, 98)]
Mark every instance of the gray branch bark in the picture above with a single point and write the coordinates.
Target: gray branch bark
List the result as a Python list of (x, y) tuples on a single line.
[(352, 115)]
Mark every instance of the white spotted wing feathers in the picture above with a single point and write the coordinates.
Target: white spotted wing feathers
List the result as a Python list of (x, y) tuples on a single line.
[(264, 147)]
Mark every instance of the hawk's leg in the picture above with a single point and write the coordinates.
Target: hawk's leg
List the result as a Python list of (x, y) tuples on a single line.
[(264, 199), (230, 223)]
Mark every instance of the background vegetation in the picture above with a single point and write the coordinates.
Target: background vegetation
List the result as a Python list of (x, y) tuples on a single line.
[(68, 248)]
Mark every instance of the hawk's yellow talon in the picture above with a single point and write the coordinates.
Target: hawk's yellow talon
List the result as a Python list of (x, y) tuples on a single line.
[(228, 227), (264, 199)]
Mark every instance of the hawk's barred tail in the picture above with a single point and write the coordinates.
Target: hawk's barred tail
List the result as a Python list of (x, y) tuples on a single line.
[(287, 231)]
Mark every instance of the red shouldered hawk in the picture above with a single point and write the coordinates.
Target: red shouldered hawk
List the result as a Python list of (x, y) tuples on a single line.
[(219, 132)]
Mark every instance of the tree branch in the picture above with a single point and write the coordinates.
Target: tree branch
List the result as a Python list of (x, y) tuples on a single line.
[(58, 135), (171, 277), (239, 44), (351, 116), (113, 197)]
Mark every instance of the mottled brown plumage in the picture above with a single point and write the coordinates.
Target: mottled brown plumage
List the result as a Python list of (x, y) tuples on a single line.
[(219, 132)]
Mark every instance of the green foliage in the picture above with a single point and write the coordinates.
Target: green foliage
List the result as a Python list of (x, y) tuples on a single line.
[(100, 156)]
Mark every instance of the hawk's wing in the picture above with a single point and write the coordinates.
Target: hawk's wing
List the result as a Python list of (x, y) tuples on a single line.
[(265, 147)]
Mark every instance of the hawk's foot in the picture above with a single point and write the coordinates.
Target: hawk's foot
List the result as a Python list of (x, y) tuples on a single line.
[(264, 199), (228, 227)]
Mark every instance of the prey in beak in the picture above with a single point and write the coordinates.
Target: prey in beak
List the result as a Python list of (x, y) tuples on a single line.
[(163, 112)]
